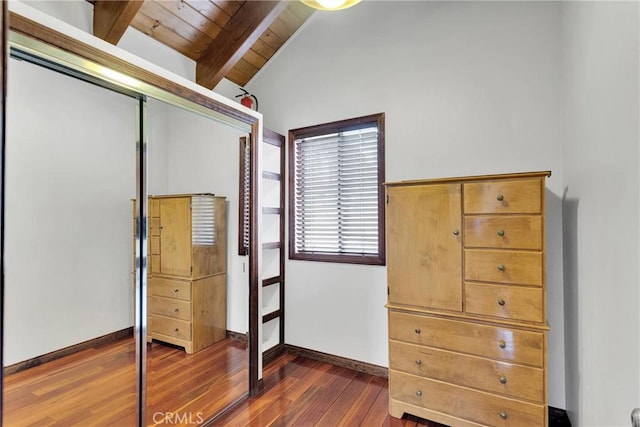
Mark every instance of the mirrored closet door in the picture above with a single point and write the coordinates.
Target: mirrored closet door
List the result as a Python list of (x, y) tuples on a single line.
[(69, 350)]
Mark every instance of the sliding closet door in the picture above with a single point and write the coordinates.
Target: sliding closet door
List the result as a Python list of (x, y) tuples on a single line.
[(191, 377), (69, 351)]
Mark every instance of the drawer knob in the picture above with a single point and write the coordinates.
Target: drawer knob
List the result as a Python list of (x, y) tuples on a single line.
[(175, 291), (175, 310), (500, 233), (418, 362), (419, 393), (502, 344), (417, 330), (176, 330), (501, 267), (501, 302), (503, 415), (456, 232), (503, 379), (500, 197)]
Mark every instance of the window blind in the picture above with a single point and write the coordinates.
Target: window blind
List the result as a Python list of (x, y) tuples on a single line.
[(246, 192), (203, 220), (336, 192)]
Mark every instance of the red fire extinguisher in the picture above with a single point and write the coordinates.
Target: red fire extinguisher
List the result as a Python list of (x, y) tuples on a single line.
[(248, 100)]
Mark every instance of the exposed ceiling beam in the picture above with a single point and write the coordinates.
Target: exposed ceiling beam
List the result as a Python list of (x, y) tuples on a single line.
[(240, 33), (111, 18)]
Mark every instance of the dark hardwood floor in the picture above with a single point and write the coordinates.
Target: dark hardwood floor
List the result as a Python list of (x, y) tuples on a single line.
[(303, 392), (96, 387)]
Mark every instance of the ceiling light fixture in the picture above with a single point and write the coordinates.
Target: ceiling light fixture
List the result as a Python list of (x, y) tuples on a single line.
[(330, 4)]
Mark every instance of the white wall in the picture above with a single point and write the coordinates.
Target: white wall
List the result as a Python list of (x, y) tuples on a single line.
[(467, 88), (602, 210), (69, 178)]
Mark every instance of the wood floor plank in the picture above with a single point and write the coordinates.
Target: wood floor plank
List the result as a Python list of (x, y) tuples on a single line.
[(338, 410), (363, 403)]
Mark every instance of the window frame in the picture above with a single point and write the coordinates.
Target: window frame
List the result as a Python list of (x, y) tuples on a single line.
[(335, 127)]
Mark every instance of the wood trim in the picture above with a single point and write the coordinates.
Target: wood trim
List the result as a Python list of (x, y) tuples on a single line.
[(283, 188), (519, 175), (356, 365), (254, 309), (237, 336), (271, 281), (270, 316), (272, 354), (273, 138), (57, 354)]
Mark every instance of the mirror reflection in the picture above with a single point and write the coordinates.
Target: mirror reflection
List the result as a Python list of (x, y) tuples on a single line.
[(198, 284), (69, 348), (70, 171)]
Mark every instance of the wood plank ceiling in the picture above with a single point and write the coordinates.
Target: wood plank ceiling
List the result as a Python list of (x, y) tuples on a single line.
[(231, 39)]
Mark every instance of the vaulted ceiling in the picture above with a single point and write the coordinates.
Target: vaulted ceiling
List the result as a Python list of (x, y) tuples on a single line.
[(231, 39)]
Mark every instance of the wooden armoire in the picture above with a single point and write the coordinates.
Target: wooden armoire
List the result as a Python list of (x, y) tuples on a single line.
[(467, 300), (187, 270)]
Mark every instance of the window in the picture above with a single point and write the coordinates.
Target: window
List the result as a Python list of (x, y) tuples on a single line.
[(336, 200)]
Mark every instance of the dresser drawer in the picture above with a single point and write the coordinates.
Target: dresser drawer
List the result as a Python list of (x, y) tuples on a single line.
[(171, 327), (513, 345), (509, 232), (507, 302), (522, 268), (476, 406), (171, 307), (518, 196), (170, 288), (517, 381)]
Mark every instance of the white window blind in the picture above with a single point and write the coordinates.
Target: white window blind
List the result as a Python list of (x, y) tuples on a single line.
[(246, 192), (336, 193), (203, 220)]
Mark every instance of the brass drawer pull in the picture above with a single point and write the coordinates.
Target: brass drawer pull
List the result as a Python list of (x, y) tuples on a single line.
[(501, 302), (175, 310), (175, 291), (500, 233), (456, 232), (502, 344), (419, 393), (418, 362), (417, 330), (500, 197), (503, 415), (501, 267), (176, 330), (503, 379)]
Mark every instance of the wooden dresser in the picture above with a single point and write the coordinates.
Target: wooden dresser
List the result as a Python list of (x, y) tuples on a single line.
[(187, 266), (467, 300)]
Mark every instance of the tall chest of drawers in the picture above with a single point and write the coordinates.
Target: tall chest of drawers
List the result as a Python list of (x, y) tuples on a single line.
[(467, 300), (187, 266)]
